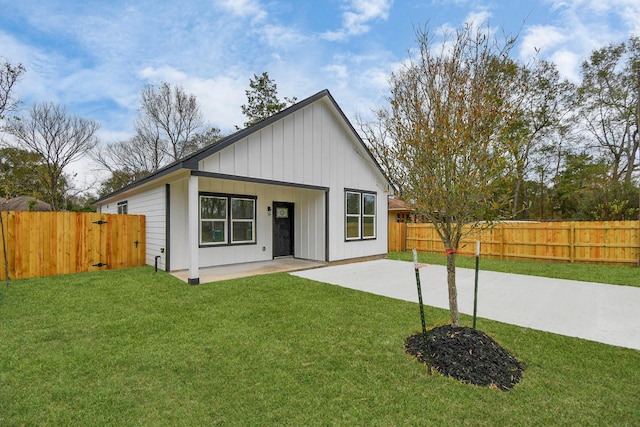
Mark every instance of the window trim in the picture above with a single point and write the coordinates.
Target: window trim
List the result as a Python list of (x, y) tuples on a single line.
[(225, 220), (361, 215), (123, 207), (233, 221), (228, 220)]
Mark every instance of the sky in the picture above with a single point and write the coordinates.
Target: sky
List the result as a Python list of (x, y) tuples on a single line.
[(94, 56)]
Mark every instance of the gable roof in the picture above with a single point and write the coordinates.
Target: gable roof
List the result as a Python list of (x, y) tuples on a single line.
[(399, 205), (190, 162)]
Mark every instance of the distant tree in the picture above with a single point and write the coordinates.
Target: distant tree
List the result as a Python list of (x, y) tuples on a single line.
[(118, 179), (59, 139), (169, 118), (577, 183), (17, 169), (583, 191), (607, 102), (203, 139), (9, 76), (262, 99), (449, 110), (542, 98), (127, 161), (81, 203), (167, 129)]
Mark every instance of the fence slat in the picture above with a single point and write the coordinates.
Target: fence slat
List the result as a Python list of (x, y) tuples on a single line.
[(52, 243), (604, 242)]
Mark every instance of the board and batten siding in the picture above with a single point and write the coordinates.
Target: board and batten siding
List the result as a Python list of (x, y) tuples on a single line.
[(312, 146), (308, 233), (150, 203)]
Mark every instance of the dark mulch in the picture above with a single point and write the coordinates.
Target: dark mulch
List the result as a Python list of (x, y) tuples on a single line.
[(467, 355)]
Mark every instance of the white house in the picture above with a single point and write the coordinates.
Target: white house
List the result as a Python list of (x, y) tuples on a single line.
[(300, 183)]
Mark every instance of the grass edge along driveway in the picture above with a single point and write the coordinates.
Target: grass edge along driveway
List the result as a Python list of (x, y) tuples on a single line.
[(134, 347), (608, 274)]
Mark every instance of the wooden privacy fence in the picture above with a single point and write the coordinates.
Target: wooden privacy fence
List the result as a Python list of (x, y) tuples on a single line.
[(51, 243), (605, 242)]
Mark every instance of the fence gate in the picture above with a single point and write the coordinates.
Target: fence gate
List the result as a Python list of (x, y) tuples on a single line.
[(51, 243)]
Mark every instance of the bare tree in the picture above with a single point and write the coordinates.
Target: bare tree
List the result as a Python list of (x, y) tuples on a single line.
[(448, 110), (135, 156), (59, 139), (607, 101), (9, 76), (169, 119)]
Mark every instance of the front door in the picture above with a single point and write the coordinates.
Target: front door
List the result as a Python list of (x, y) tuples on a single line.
[(282, 229)]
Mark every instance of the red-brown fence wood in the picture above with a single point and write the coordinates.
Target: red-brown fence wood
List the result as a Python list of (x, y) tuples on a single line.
[(51, 243), (603, 242)]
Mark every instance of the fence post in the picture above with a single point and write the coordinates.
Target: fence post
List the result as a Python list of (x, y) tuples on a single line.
[(572, 247), (406, 231), (501, 241)]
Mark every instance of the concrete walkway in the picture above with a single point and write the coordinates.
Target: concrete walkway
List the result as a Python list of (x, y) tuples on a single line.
[(605, 313)]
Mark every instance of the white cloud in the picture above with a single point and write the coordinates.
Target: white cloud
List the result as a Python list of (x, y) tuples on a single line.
[(478, 19), (568, 64), (244, 8), (540, 39), (282, 37), (580, 27), (219, 98), (357, 16), (337, 71)]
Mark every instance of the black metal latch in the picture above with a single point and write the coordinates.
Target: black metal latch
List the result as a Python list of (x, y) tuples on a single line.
[(100, 222)]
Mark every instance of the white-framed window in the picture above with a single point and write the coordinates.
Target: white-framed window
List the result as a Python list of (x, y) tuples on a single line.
[(123, 207), (213, 220), (368, 216), (360, 215), (227, 219), (243, 220)]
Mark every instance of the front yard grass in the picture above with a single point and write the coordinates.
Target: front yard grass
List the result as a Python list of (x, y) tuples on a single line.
[(613, 275), (134, 347)]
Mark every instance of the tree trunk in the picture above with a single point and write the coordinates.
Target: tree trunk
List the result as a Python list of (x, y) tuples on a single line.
[(451, 282)]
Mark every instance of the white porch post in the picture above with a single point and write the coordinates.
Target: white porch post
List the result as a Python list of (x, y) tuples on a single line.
[(192, 238)]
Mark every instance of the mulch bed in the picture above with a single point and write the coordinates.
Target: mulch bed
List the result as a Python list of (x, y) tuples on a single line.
[(467, 355)]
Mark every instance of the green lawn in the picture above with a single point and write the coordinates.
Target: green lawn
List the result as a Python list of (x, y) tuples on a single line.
[(134, 347), (614, 275)]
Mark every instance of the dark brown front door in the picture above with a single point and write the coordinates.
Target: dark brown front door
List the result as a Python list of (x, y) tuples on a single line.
[(282, 229)]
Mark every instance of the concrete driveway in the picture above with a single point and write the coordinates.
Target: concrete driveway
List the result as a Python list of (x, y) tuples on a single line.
[(605, 313)]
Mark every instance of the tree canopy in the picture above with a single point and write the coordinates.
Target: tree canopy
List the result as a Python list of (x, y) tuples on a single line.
[(449, 110), (262, 99)]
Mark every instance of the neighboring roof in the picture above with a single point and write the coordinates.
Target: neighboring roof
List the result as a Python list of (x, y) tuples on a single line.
[(191, 161), (24, 203), (398, 205)]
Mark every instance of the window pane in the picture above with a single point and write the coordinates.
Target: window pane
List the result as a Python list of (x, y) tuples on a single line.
[(213, 232), (369, 201), (213, 207), (242, 231), (242, 208), (368, 227), (353, 227), (353, 203)]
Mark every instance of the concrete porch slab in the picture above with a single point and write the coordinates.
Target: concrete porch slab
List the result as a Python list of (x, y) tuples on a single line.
[(235, 271)]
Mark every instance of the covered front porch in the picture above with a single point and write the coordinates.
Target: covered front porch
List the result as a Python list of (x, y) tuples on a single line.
[(248, 269), (280, 220)]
